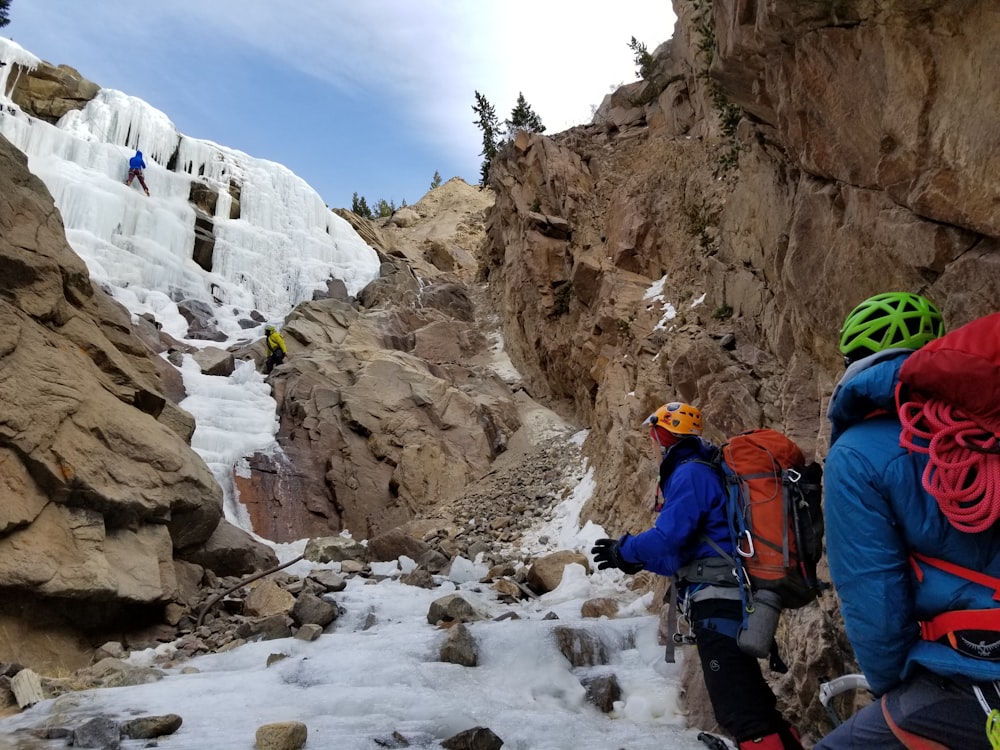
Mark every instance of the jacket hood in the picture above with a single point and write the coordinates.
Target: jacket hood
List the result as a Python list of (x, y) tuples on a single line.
[(138, 153), (868, 385), (688, 448)]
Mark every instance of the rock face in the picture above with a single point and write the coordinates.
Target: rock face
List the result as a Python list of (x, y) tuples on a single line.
[(100, 493), (705, 237), (49, 91), (387, 409)]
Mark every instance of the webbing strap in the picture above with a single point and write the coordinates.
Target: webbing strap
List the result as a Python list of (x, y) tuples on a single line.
[(762, 475), (720, 625), (746, 596), (947, 623), (908, 739), (957, 570)]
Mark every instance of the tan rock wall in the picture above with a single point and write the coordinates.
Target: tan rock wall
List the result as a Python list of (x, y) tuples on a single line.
[(865, 161), (96, 494)]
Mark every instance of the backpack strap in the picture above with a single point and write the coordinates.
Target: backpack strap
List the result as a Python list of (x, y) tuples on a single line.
[(964, 630), (956, 570)]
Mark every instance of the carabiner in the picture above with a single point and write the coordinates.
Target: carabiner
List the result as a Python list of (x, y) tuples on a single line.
[(749, 542)]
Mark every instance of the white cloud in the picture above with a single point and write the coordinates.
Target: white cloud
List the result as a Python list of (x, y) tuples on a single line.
[(422, 62), (433, 56)]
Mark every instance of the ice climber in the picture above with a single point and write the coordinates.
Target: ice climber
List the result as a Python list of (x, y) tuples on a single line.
[(919, 595), (692, 509), (135, 167)]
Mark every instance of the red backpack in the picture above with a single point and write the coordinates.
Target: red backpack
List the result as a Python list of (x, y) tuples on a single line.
[(948, 400)]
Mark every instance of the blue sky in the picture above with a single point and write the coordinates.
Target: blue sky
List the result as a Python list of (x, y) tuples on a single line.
[(370, 96)]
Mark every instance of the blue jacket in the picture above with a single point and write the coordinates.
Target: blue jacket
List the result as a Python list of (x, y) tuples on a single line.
[(136, 161), (876, 513), (694, 503)]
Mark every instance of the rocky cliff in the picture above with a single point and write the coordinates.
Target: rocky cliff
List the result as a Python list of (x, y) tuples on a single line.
[(102, 495), (701, 240), (704, 238)]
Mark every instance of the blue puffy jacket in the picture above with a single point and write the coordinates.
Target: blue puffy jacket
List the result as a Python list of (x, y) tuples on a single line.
[(136, 161), (694, 504), (877, 512)]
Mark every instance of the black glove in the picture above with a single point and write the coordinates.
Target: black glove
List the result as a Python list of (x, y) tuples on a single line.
[(606, 555)]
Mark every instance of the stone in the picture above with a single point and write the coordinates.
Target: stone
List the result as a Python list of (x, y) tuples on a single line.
[(268, 598), (327, 579), (310, 609), (602, 691), (545, 573), (27, 688), (265, 628), (285, 735), (581, 647), (334, 549), (150, 727), (308, 632), (459, 647), (214, 361), (451, 608), (99, 732), (230, 551), (477, 738), (601, 607)]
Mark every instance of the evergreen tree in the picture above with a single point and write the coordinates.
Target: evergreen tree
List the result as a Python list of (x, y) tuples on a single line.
[(384, 208), (4, 12), (436, 182), (490, 125), (359, 206), (643, 60), (522, 117)]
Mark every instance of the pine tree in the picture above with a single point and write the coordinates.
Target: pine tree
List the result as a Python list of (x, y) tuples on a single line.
[(643, 60), (359, 206), (436, 182), (490, 125), (384, 208), (522, 117), (4, 12)]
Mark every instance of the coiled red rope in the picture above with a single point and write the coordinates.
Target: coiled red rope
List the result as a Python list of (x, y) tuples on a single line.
[(963, 473)]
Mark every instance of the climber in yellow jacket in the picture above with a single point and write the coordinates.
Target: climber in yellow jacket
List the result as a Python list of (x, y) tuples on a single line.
[(276, 350)]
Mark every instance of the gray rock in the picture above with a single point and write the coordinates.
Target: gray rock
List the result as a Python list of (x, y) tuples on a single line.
[(148, 727), (477, 738), (450, 608), (310, 609), (459, 647), (99, 732)]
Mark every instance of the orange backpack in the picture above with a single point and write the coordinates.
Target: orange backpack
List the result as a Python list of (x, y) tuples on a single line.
[(776, 516)]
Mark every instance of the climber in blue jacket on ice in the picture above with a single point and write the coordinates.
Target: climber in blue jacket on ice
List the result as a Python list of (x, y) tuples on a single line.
[(135, 167)]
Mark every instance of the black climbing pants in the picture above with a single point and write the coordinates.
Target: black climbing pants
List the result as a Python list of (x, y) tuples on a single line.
[(743, 702), (276, 358)]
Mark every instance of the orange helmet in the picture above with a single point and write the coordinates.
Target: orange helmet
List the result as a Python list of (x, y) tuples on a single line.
[(677, 418)]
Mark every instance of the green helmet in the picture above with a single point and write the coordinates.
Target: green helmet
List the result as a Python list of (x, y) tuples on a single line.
[(887, 321)]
